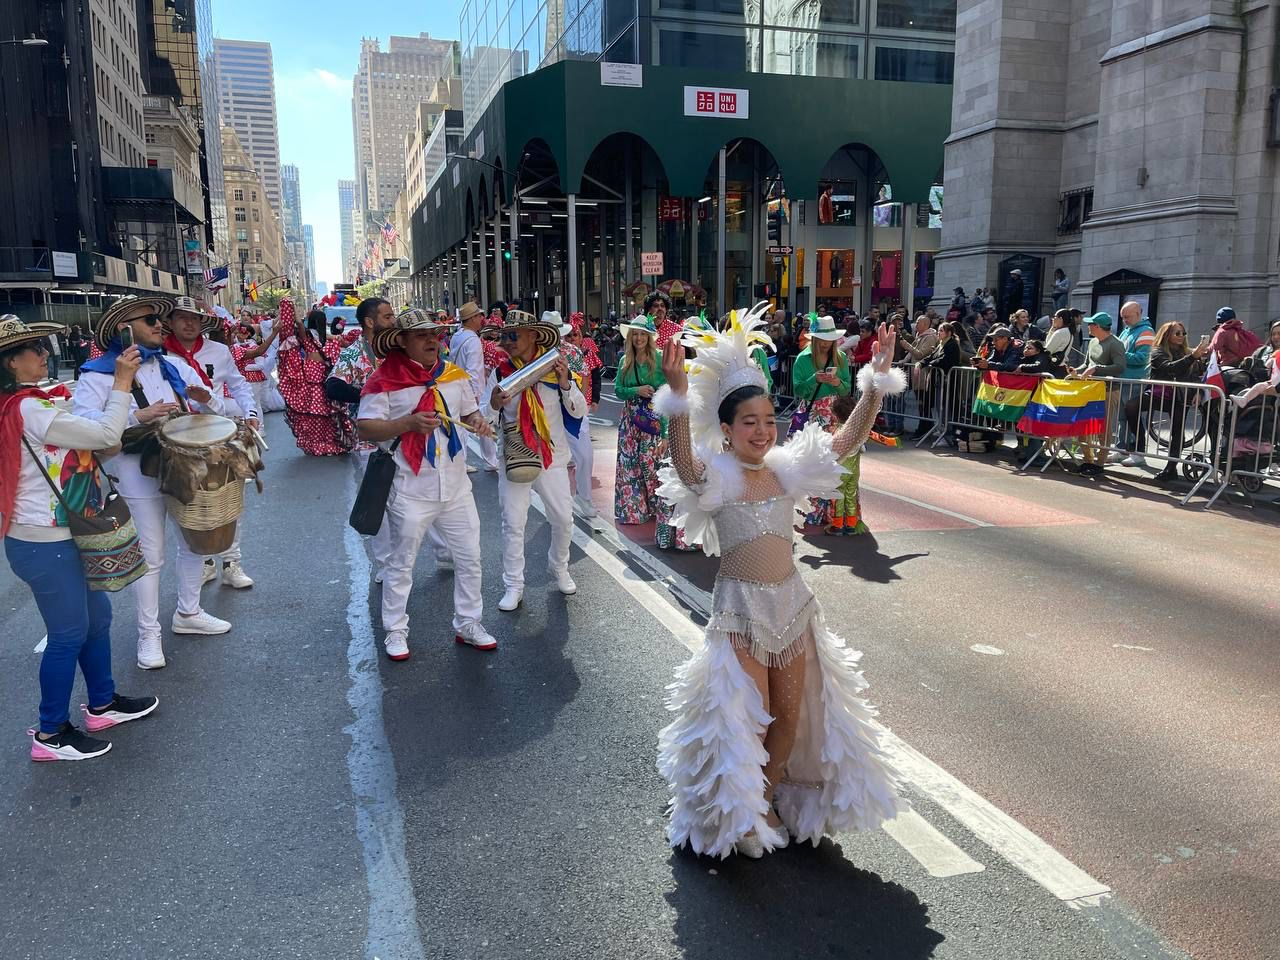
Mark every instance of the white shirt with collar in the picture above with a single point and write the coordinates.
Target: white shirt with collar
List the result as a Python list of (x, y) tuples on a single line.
[(448, 479), (574, 402), (466, 351), (93, 392), (225, 374)]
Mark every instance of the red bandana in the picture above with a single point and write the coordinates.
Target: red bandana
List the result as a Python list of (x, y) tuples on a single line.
[(11, 444), (171, 345), (398, 372)]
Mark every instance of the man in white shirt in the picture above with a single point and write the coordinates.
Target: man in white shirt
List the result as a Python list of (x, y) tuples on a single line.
[(187, 340), (417, 405), (161, 387), (466, 351), (560, 401)]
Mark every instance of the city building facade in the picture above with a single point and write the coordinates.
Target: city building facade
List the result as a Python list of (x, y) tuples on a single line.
[(386, 91), (117, 83), (1130, 144), (247, 102), (291, 222), (257, 240), (309, 246), (346, 237), (756, 152)]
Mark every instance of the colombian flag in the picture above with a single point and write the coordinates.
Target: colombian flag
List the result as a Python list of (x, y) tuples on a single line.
[(1066, 408), (1003, 396)]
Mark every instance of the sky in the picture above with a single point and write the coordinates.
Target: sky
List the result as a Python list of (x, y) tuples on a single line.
[(315, 45)]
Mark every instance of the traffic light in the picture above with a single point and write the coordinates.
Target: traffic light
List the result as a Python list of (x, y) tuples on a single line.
[(774, 218), (506, 253)]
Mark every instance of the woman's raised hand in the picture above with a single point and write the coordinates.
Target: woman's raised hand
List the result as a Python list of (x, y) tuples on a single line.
[(882, 350), (673, 367)]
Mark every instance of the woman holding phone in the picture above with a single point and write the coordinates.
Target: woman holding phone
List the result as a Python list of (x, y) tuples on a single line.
[(820, 374)]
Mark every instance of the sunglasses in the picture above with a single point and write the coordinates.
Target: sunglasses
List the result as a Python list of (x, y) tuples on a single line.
[(41, 347), (150, 319), (509, 335)]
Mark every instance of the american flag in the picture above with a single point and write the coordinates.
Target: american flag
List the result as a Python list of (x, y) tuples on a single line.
[(215, 278), (389, 232)]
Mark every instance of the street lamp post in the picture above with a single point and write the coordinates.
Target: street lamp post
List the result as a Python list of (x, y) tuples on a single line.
[(31, 41), (244, 258)]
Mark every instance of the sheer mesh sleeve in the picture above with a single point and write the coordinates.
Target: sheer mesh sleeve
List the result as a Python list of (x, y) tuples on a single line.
[(690, 469), (854, 432)]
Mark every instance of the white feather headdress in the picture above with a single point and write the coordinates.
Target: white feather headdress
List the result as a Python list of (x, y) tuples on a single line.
[(721, 365)]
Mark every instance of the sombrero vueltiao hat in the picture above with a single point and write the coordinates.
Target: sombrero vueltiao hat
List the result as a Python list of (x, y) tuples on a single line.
[(546, 333), (104, 328), (644, 323), (209, 321), (384, 341), (14, 333)]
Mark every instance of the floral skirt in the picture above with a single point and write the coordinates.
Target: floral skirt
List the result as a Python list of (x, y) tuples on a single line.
[(821, 511), (635, 484), (666, 536)]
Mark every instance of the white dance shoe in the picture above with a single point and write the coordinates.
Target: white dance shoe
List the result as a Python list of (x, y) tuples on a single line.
[(200, 623), (565, 584), (510, 600), (150, 653)]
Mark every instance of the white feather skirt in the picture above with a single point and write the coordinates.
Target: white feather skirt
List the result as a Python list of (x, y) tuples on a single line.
[(712, 755)]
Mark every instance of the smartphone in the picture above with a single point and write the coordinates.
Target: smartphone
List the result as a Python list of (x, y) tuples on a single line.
[(126, 337)]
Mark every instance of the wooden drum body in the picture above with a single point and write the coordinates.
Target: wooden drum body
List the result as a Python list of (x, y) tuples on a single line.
[(205, 460)]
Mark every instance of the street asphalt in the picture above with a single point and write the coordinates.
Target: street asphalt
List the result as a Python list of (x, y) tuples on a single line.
[(298, 795)]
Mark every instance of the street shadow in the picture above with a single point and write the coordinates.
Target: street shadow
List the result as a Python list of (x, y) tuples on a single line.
[(862, 557), (798, 902)]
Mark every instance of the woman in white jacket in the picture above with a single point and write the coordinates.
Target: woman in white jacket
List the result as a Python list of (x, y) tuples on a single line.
[(42, 443)]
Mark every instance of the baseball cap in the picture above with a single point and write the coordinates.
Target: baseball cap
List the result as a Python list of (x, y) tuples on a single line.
[(1100, 319), (1226, 313)]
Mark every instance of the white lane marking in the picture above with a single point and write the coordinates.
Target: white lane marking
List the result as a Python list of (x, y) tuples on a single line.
[(1003, 834), (930, 847), (392, 929), (986, 648), (926, 506), (1130, 646)]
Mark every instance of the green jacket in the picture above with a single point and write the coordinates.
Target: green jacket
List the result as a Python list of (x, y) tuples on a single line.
[(626, 385), (762, 361), (804, 377)]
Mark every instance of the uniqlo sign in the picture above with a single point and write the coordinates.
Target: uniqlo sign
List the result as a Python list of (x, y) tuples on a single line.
[(715, 102)]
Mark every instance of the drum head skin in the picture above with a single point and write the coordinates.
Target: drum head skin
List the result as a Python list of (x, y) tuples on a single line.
[(198, 430)]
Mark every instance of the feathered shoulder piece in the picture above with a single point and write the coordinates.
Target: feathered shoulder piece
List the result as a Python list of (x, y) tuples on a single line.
[(805, 465), (695, 506), (722, 363)]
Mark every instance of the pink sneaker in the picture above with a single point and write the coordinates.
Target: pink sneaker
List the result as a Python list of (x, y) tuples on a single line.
[(120, 710)]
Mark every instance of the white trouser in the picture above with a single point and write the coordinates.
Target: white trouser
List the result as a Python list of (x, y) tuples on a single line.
[(489, 452), (259, 396), (148, 517), (553, 487), (459, 526), (583, 460)]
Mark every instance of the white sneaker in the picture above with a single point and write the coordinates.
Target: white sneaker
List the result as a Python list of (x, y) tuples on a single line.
[(565, 583), (205, 624), (471, 469), (510, 599), (474, 635), (233, 576), (377, 576), (490, 468), (444, 563), (585, 507), (1116, 457), (1134, 460), (150, 653), (397, 644), (210, 571)]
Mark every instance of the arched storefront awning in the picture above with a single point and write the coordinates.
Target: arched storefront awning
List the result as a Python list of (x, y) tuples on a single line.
[(800, 120)]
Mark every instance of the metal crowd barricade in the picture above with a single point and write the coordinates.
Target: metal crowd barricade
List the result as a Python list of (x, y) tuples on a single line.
[(920, 402), (958, 393), (1248, 456)]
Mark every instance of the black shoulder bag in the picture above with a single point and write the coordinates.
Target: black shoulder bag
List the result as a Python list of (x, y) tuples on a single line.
[(375, 489)]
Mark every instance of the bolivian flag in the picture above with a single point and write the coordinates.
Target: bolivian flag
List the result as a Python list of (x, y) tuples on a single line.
[(1066, 408), (1003, 396)]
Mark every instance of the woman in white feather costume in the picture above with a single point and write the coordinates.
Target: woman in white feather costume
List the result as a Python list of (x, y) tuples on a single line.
[(771, 738)]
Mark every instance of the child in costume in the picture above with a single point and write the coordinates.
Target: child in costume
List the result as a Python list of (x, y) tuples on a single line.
[(846, 515), (771, 738)]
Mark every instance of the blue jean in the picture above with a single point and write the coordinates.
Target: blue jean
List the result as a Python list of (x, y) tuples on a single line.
[(78, 621)]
